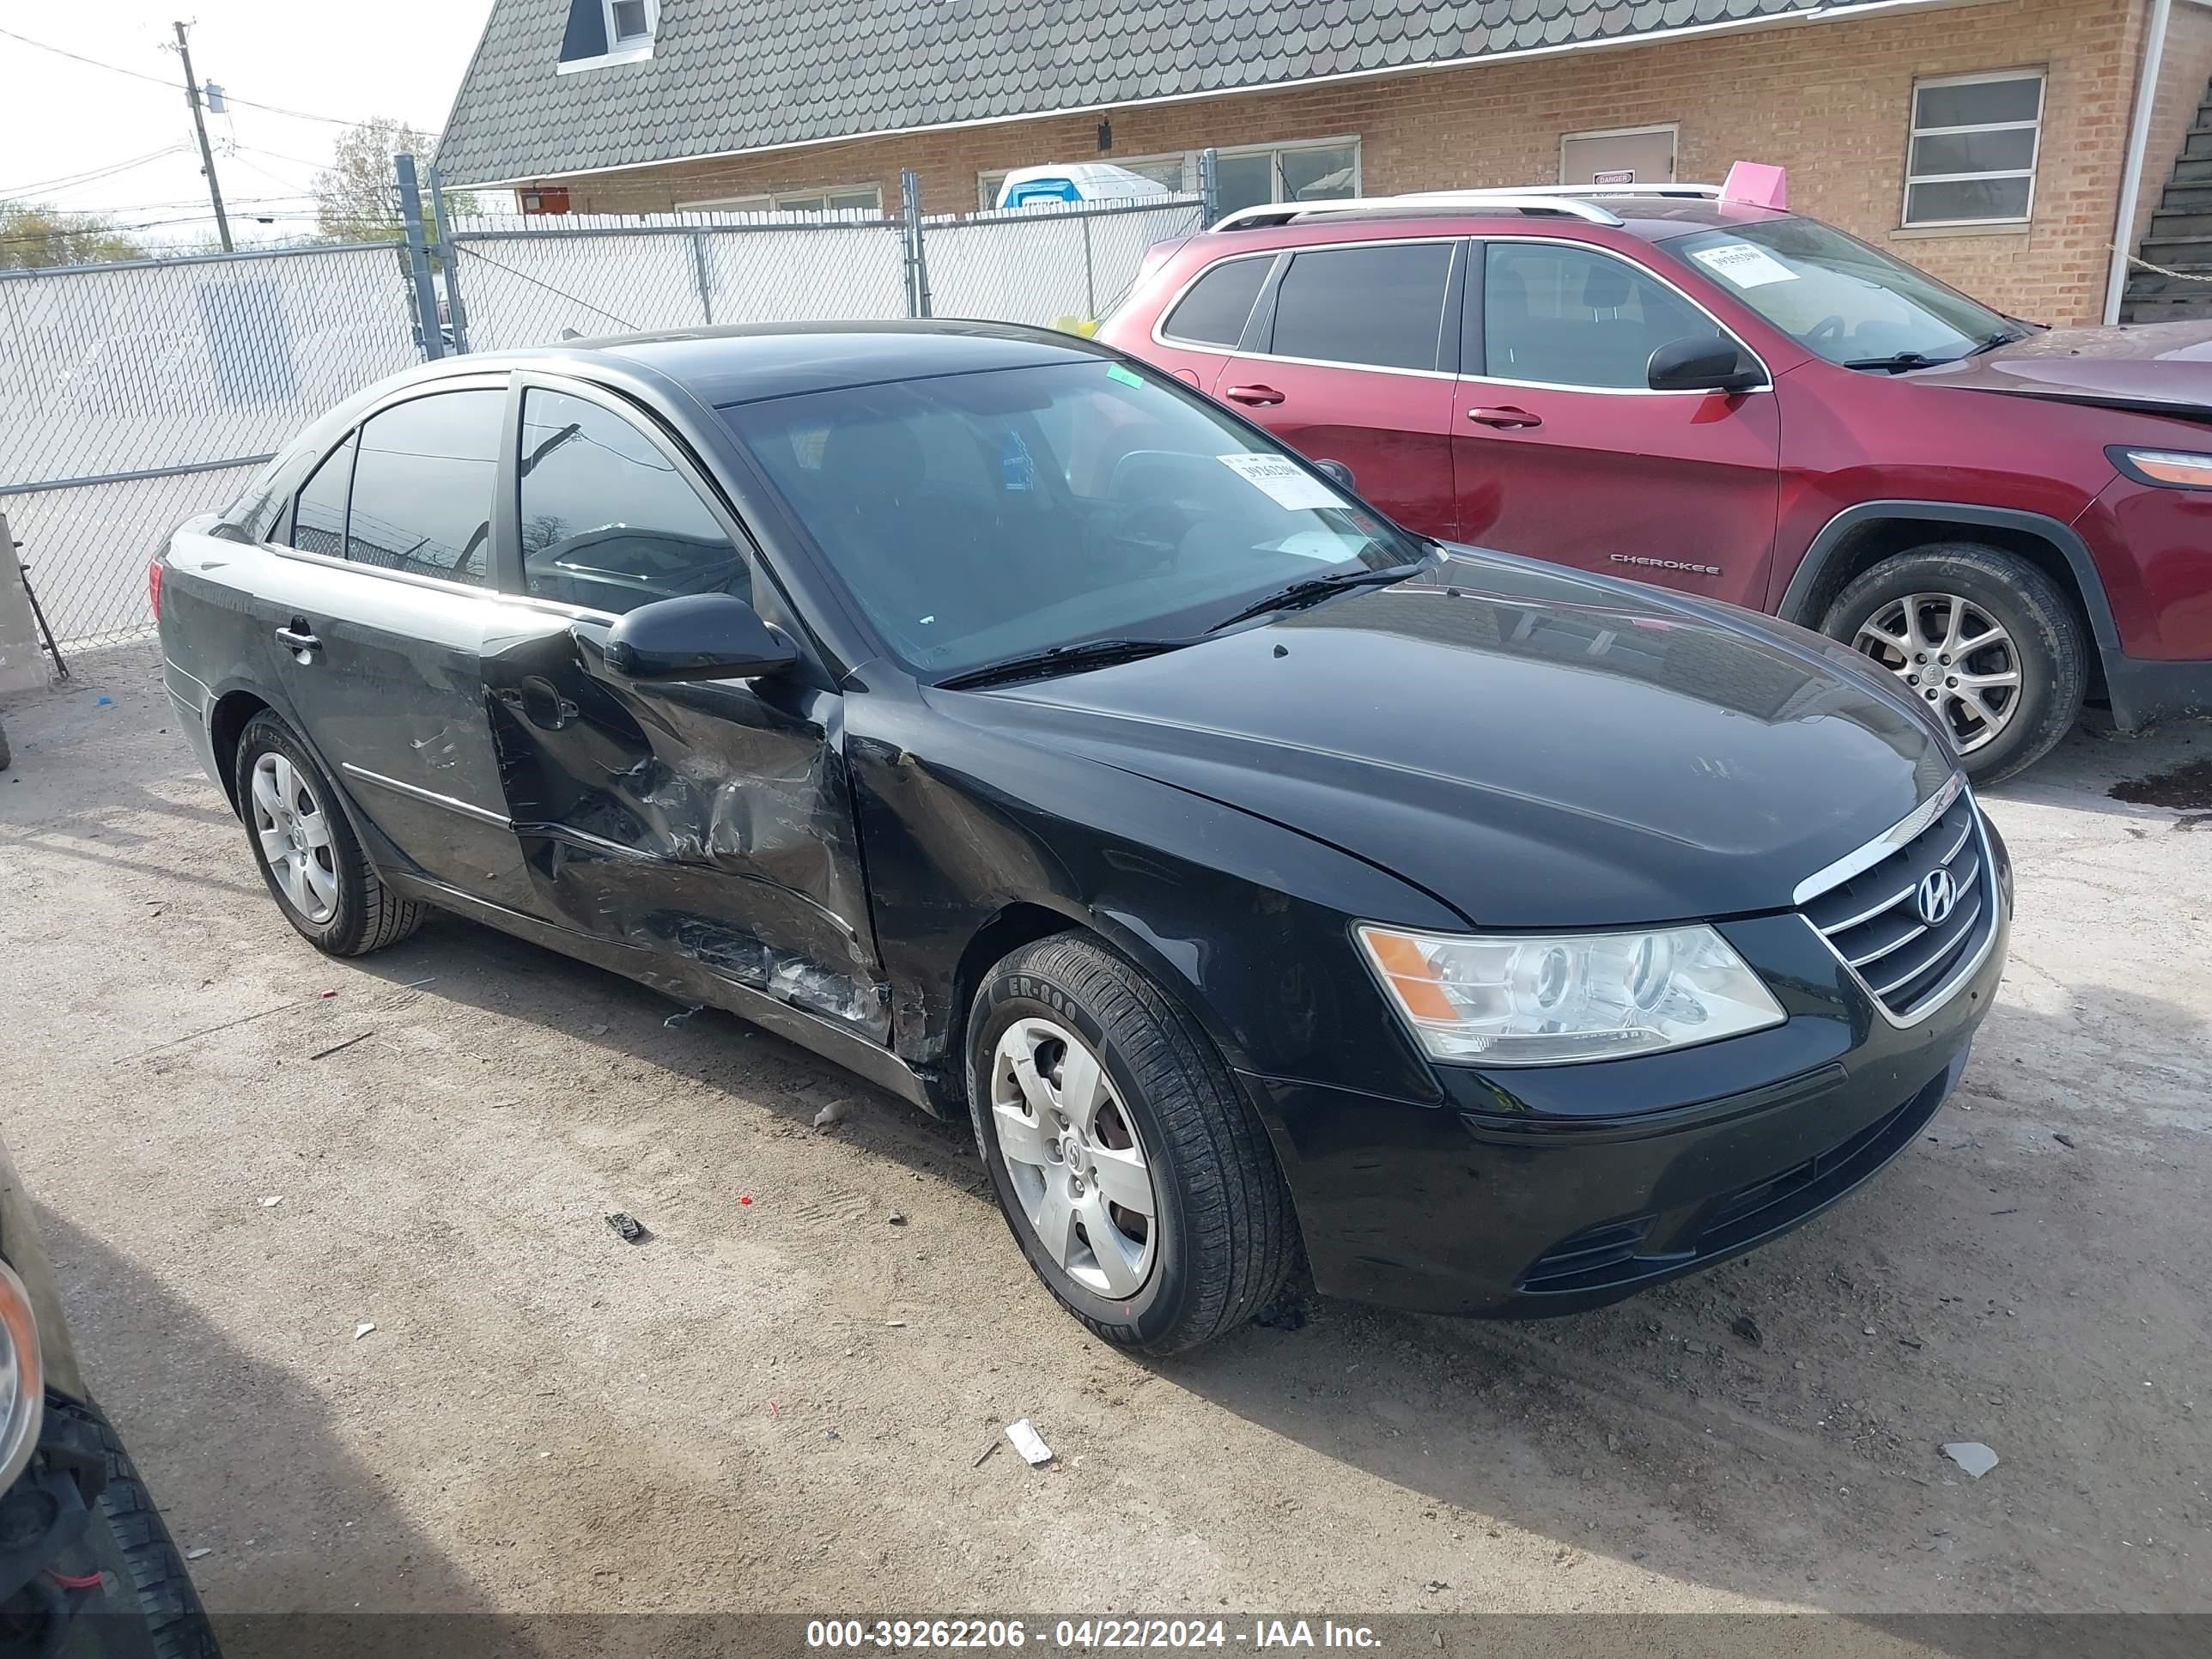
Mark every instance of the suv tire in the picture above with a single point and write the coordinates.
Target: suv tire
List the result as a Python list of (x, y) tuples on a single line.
[(2043, 645), (1221, 1237), (327, 888)]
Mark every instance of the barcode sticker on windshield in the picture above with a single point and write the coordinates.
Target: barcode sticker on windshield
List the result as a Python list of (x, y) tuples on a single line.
[(1743, 264), (1285, 484)]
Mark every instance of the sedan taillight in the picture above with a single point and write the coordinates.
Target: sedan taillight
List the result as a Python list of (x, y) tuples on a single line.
[(154, 586)]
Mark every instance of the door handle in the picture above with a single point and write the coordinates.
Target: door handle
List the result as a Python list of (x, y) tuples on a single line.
[(297, 638), (1504, 415), (1259, 395)]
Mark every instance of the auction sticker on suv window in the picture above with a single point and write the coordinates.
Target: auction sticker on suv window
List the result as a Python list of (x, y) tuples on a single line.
[(1285, 484), (1743, 264)]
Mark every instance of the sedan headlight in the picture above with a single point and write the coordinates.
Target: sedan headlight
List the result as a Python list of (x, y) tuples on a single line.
[(1550, 999), (22, 1378)]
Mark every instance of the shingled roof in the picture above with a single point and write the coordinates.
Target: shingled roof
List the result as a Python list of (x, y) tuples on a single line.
[(727, 77)]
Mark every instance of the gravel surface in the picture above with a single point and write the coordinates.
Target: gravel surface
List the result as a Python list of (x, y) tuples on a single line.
[(780, 1403)]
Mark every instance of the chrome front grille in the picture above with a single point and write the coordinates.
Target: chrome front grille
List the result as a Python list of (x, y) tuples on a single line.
[(1916, 913)]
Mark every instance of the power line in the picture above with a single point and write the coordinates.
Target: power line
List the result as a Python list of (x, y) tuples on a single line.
[(92, 175), (156, 80)]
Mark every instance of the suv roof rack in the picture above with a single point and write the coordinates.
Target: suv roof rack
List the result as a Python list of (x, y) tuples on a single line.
[(1706, 192), (1440, 201), (1572, 200)]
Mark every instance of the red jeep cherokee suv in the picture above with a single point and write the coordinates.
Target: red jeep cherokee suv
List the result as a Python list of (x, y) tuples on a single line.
[(1741, 403)]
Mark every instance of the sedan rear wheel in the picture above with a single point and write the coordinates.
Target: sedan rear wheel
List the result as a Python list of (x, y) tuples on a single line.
[(308, 851), (1133, 1171)]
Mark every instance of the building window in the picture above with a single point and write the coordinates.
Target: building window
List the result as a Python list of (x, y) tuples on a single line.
[(839, 198), (603, 32), (1311, 170), (1973, 156), (629, 22), (1178, 171), (1319, 170)]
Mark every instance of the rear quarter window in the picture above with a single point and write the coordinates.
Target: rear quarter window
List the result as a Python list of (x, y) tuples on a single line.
[(1219, 303)]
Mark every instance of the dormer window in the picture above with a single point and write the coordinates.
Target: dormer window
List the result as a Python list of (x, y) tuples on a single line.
[(603, 32)]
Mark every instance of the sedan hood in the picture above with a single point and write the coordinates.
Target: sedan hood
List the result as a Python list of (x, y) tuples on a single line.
[(1534, 747), (2163, 368)]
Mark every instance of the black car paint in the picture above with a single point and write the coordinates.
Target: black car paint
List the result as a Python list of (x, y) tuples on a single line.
[(841, 851)]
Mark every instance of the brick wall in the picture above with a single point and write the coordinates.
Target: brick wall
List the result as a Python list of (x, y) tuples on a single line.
[(1831, 101), (2182, 76)]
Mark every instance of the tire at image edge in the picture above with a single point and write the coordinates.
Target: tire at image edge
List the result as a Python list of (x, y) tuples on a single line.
[(1227, 1237)]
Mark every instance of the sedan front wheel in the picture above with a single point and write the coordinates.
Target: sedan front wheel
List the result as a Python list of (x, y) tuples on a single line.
[(1131, 1170)]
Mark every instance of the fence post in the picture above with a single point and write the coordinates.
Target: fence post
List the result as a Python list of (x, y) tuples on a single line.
[(699, 277), (418, 260), (1090, 279), (917, 263), (1209, 187), (450, 257)]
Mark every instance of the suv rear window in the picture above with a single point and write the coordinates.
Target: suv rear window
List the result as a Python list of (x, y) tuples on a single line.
[(1380, 306), (1219, 303)]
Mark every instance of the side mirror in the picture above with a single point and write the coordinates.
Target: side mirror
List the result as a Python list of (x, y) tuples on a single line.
[(698, 636), (1341, 473), (1703, 363)]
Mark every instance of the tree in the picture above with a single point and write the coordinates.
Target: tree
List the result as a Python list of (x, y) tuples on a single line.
[(32, 236), (357, 196)]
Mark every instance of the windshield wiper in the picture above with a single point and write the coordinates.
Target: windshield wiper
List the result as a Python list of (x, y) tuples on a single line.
[(1060, 659), (1898, 362), (1311, 589), (2003, 336)]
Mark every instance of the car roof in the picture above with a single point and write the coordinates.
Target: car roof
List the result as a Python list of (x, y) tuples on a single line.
[(749, 362)]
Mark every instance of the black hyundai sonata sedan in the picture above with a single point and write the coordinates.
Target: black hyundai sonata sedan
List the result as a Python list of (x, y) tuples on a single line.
[(996, 717)]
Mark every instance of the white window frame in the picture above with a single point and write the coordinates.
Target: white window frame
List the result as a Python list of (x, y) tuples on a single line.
[(639, 49), (774, 201), (1914, 130), (1671, 129), (1277, 151)]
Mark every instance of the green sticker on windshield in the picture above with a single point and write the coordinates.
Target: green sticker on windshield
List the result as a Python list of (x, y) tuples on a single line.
[(1116, 372)]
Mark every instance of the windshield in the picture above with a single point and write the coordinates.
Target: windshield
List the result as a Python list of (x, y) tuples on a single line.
[(1834, 294), (981, 517)]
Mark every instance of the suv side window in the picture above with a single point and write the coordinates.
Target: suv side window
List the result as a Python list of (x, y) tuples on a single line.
[(1219, 303), (608, 523), (319, 518), (1568, 316), (1380, 306), (423, 485)]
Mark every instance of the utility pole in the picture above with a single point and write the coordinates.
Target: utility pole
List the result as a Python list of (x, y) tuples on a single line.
[(207, 155)]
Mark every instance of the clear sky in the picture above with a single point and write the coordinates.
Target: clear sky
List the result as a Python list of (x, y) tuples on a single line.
[(346, 60)]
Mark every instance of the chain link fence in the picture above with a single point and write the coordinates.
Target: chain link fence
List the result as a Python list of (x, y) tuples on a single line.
[(133, 396)]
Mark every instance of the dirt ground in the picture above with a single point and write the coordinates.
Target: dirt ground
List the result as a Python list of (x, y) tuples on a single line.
[(780, 1403)]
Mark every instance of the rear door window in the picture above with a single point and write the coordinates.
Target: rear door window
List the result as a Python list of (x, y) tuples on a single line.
[(1380, 306), (1219, 303), (1565, 316), (608, 522), (318, 516), (423, 483)]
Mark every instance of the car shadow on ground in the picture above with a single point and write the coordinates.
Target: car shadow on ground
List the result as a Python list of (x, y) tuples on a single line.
[(293, 1531)]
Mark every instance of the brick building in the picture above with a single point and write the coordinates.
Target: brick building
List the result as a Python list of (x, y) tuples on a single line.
[(1992, 142)]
